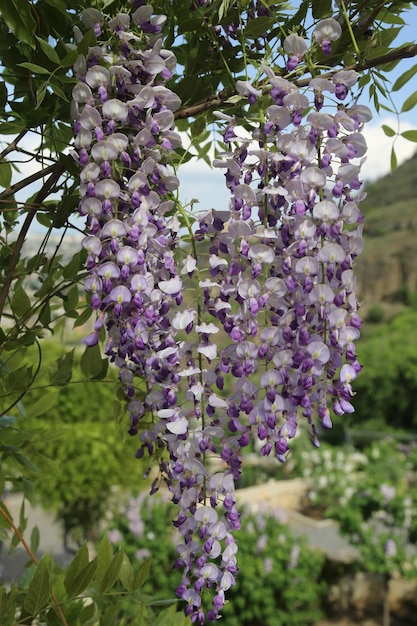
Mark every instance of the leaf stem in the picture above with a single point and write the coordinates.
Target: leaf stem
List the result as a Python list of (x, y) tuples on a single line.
[(350, 29)]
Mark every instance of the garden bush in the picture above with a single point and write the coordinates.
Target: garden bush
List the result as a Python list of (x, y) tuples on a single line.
[(83, 455), (279, 579), (386, 390), (372, 496)]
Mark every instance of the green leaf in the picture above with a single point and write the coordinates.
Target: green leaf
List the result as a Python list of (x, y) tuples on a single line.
[(45, 316), (410, 135), (5, 174), (410, 103), (3, 604), (3, 95), (391, 18), (198, 127), (142, 574), (259, 26), (168, 616), (69, 59), (40, 94), (58, 4), (321, 8), (36, 69), (54, 85), (18, 379), (11, 606), (71, 270), (126, 574), (89, 40), (83, 317), (39, 591), (224, 7), (60, 371), (48, 50), (79, 573), (20, 302), (112, 573), (26, 463), (91, 362), (104, 557), (71, 299), (388, 130), (18, 17), (44, 404), (394, 161), (34, 540), (404, 78)]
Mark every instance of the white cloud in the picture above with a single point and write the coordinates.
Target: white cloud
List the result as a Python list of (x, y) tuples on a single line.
[(378, 161), (208, 186)]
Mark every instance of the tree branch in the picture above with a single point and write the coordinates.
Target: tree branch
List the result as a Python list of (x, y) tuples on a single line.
[(204, 105), (58, 169), (219, 99), (29, 180), (395, 55)]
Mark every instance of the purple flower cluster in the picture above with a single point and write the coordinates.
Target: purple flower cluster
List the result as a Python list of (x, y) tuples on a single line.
[(278, 289), (124, 138), (282, 284)]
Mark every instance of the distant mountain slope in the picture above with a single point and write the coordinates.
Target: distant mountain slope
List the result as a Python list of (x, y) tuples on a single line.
[(394, 187), (387, 269)]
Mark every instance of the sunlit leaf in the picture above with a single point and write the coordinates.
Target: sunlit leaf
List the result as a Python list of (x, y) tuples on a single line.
[(112, 572), (48, 50), (409, 103), (36, 69), (410, 135), (390, 132), (142, 574), (79, 573), (104, 558), (404, 78)]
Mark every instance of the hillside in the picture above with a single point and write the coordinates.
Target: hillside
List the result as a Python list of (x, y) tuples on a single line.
[(387, 269)]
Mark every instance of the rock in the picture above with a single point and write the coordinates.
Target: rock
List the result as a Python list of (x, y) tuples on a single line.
[(403, 596)]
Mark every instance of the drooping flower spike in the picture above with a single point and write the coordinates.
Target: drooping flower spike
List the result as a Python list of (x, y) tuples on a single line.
[(278, 285)]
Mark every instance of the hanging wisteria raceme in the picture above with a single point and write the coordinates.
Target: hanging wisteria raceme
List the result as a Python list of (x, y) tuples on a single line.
[(124, 138), (282, 284), (278, 288)]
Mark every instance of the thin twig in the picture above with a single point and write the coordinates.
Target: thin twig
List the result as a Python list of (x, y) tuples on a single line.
[(13, 145), (29, 180), (43, 193), (33, 558)]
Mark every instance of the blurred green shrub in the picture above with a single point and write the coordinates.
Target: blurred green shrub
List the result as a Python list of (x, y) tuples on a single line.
[(386, 389), (373, 497), (279, 580), (85, 455)]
